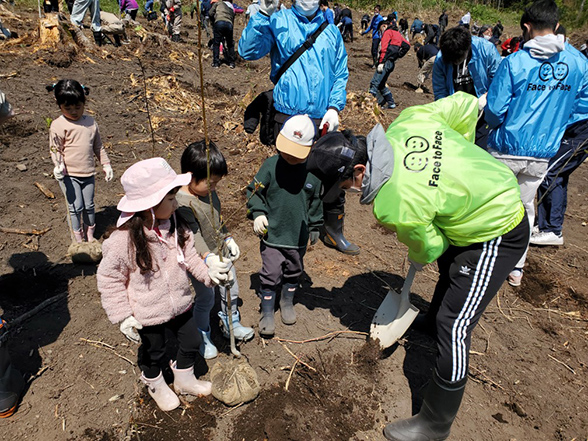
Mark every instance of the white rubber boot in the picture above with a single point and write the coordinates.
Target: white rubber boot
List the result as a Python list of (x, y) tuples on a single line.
[(239, 331), (186, 383), (207, 349), (165, 398)]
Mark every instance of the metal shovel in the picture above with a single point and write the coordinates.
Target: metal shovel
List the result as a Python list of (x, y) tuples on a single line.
[(395, 314)]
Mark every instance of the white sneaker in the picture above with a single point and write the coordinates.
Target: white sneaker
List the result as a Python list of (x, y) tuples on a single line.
[(546, 238), (515, 277)]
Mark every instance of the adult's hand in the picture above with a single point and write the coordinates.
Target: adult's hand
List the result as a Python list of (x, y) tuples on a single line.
[(332, 119)]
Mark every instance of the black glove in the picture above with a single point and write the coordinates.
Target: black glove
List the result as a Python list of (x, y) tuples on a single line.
[(314, 236)]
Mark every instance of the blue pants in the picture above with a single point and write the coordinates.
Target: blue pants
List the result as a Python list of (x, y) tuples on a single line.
[(378, 84), (223, 30), (149, 5), (376, 50), (79, 193), (204, 300), (552, 195), (79, 12)]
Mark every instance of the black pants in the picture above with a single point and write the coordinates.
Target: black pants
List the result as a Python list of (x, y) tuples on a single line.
[(280, 265), (375, 50), (153, 341), (223, 30), (280, 118), (469, 278)]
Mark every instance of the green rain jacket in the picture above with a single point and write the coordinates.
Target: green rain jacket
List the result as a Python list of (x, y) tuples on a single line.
[(433, 186)]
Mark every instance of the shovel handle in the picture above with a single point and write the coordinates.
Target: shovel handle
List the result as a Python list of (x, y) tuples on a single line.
[(405, 293)]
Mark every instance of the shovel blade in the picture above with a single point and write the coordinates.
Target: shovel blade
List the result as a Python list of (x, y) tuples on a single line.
[(392, 320)]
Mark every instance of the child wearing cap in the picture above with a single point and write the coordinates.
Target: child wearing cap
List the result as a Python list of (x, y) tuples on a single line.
[(143, 281), (284, 203)]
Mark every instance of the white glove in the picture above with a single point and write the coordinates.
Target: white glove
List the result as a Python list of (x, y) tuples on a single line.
[(417, 266), (219, 272), (58, 171), (129, 328), (482, 101), (268, 7), (260, 225), (234, 251), (332, 119), (380, 68), (109, 173)]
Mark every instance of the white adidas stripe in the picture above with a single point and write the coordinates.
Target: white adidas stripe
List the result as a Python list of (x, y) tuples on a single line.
[(478, 289)]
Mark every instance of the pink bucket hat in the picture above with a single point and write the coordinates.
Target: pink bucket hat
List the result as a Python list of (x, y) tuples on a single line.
[(146, 183)]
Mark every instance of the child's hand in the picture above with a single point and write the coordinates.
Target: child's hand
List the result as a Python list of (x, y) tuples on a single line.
[(233, 248), (58, 171), (109, 173), (260, 225), (129, 328), (219, 272)]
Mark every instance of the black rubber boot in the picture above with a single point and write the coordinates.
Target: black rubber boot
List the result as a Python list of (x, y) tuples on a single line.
[(98, 38), (332, 233), (267, 324), (287, 303), (425, 325), (433, 422), (11, 385)]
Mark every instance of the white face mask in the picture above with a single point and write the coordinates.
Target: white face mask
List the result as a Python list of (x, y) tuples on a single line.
[(487, 37), (306, 7)]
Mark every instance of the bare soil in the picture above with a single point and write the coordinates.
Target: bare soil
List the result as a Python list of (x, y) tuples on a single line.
[(529, 357)]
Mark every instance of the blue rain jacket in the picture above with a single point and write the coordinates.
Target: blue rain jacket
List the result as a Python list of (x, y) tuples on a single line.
[(482, 67), (318, 79), (374, 24), (580, 112), (531, 100)]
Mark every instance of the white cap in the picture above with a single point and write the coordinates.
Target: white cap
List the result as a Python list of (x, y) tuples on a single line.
[(297, 136)]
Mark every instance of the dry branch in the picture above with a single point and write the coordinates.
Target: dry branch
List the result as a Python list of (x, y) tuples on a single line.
[(33, 232), (100, 344), (48, 193), (323, 337), (297, 358)]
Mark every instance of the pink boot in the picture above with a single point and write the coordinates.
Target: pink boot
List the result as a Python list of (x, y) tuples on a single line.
[(186, 383), (165, 398), (78, 236), (90, 233)]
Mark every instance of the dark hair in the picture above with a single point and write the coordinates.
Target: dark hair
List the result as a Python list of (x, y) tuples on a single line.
[(378, 6), (542, 15), (561, 30), (455, 44), (194, 160), (483, 29), (68, 92), (360, 146), (324, 3), (136, 227)]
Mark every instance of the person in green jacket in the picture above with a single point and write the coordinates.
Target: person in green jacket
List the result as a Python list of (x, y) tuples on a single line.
[(284, 203), (448, 201)]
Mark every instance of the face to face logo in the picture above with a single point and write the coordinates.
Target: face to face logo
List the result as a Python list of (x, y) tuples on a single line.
[(561, 71), (546, 71), (416, 160)]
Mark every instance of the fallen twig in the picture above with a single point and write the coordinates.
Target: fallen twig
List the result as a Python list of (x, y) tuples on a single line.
[(572, 315), (562, 363), (324, 337), (290, 376), (484, 378), (297, 358), (48, 193), (34, 232), (99, 344)]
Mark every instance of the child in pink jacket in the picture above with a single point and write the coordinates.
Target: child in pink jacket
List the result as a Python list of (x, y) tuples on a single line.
[(143, 281)]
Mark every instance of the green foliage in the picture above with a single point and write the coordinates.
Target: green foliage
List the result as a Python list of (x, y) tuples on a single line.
[(48, 121)]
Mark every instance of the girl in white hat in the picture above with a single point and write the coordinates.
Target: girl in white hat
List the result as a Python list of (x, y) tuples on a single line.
[(143, 281)]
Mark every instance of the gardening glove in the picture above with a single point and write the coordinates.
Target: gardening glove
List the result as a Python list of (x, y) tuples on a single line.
[(218, 271), (109, 173), (268, 7), (332, 119), (417, 266), (482, 101), (380, 68), (129, 328), (314, 236), (58, 171), (260, 225), (234, 251)]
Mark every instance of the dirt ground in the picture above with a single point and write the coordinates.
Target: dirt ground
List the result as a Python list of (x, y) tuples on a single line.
[(529, 355)]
